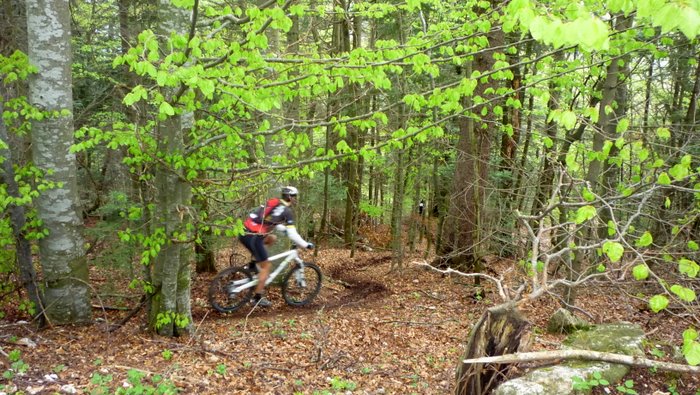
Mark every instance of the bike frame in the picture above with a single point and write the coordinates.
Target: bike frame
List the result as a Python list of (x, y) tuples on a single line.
[(291, 255)]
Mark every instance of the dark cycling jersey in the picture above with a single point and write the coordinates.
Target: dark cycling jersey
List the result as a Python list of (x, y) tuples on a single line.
[(281, 214)]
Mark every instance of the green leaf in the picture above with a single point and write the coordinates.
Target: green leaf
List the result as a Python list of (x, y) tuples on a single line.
[(585, 213), (622, 126), (692, 353), (568, 119), (658, 163), (166, 108), (136, 94), (679, 171), (683, 293), (640, 272), (645, 240), (571, 163), (663, 133), (588, 195), (667, 17), (207, 87), (688, 267), (658, 303), (187, 4), (613, 250), (343, 147), (591, 33), (693, 246), (663, 179), (539, 27), (642, 154), (412, 4), (667, 202), (548, 142), (689, 22)]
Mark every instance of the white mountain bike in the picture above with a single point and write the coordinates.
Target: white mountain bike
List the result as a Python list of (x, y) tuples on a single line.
[(234, 287)]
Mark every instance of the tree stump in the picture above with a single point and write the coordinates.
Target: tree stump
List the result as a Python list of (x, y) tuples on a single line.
[(501, 330)]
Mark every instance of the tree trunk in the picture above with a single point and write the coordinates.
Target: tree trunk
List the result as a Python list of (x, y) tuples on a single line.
[(169, 309), (525, 154), (61, 252), (462, 246), (501, 330), (544, 186), (397, 214), (205, 256), (18, 220), (170, 312), (414, 224)]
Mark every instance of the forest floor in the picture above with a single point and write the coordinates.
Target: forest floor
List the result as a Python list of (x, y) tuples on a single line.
[(368, 332)]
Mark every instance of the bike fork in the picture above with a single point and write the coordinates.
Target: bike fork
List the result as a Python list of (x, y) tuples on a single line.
[(299, 276)]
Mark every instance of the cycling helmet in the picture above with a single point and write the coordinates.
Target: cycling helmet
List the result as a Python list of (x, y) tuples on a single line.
[(289, 192)]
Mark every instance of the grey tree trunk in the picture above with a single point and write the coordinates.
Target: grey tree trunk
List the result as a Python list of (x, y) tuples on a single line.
[(61, 252), (170, 310)]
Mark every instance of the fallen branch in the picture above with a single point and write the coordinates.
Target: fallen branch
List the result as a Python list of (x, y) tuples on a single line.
[(497, 282), (587, 355)]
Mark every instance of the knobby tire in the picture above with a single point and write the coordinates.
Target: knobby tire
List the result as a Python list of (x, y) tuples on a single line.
[(296, 295), (221, 296)]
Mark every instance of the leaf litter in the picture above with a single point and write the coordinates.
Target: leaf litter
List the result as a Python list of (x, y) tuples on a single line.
[(369, 331)]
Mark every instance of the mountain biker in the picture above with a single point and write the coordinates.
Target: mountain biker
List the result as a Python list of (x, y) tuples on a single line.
[(276, 213)]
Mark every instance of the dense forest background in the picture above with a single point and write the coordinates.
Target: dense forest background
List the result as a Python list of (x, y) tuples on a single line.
[(136, 134)]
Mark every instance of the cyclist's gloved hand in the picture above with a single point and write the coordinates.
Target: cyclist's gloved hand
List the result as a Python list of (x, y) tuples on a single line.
[(310, 246)]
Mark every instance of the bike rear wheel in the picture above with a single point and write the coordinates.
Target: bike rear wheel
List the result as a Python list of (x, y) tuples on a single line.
[(237, 259), (301, 286), (225, 294)]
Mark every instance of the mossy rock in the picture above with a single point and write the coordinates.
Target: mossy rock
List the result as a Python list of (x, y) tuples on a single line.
[(621, 338), (564, 321)]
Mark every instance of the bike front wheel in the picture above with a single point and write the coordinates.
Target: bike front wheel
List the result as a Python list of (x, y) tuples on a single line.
[(227, 292), (302, 285)]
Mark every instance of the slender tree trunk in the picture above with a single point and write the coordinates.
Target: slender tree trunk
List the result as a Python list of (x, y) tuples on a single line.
[(522, 191), (509, 141), (607, 119), (397, 202), (544, 186), (61, 252), (397, 214), (647, 94), (205, 256), (603, 130), (414, 225), (18, 220)]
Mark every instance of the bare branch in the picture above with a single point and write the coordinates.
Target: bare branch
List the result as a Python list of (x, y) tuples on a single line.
[(586, 355)]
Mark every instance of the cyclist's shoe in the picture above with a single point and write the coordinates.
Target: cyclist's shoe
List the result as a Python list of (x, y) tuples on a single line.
[(252, 267), (262, 302)]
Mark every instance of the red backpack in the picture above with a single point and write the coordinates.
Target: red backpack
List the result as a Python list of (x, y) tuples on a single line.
[(258, 220)]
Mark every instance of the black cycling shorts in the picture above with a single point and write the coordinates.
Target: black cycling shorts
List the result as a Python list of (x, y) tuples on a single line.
[(254, 242)]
